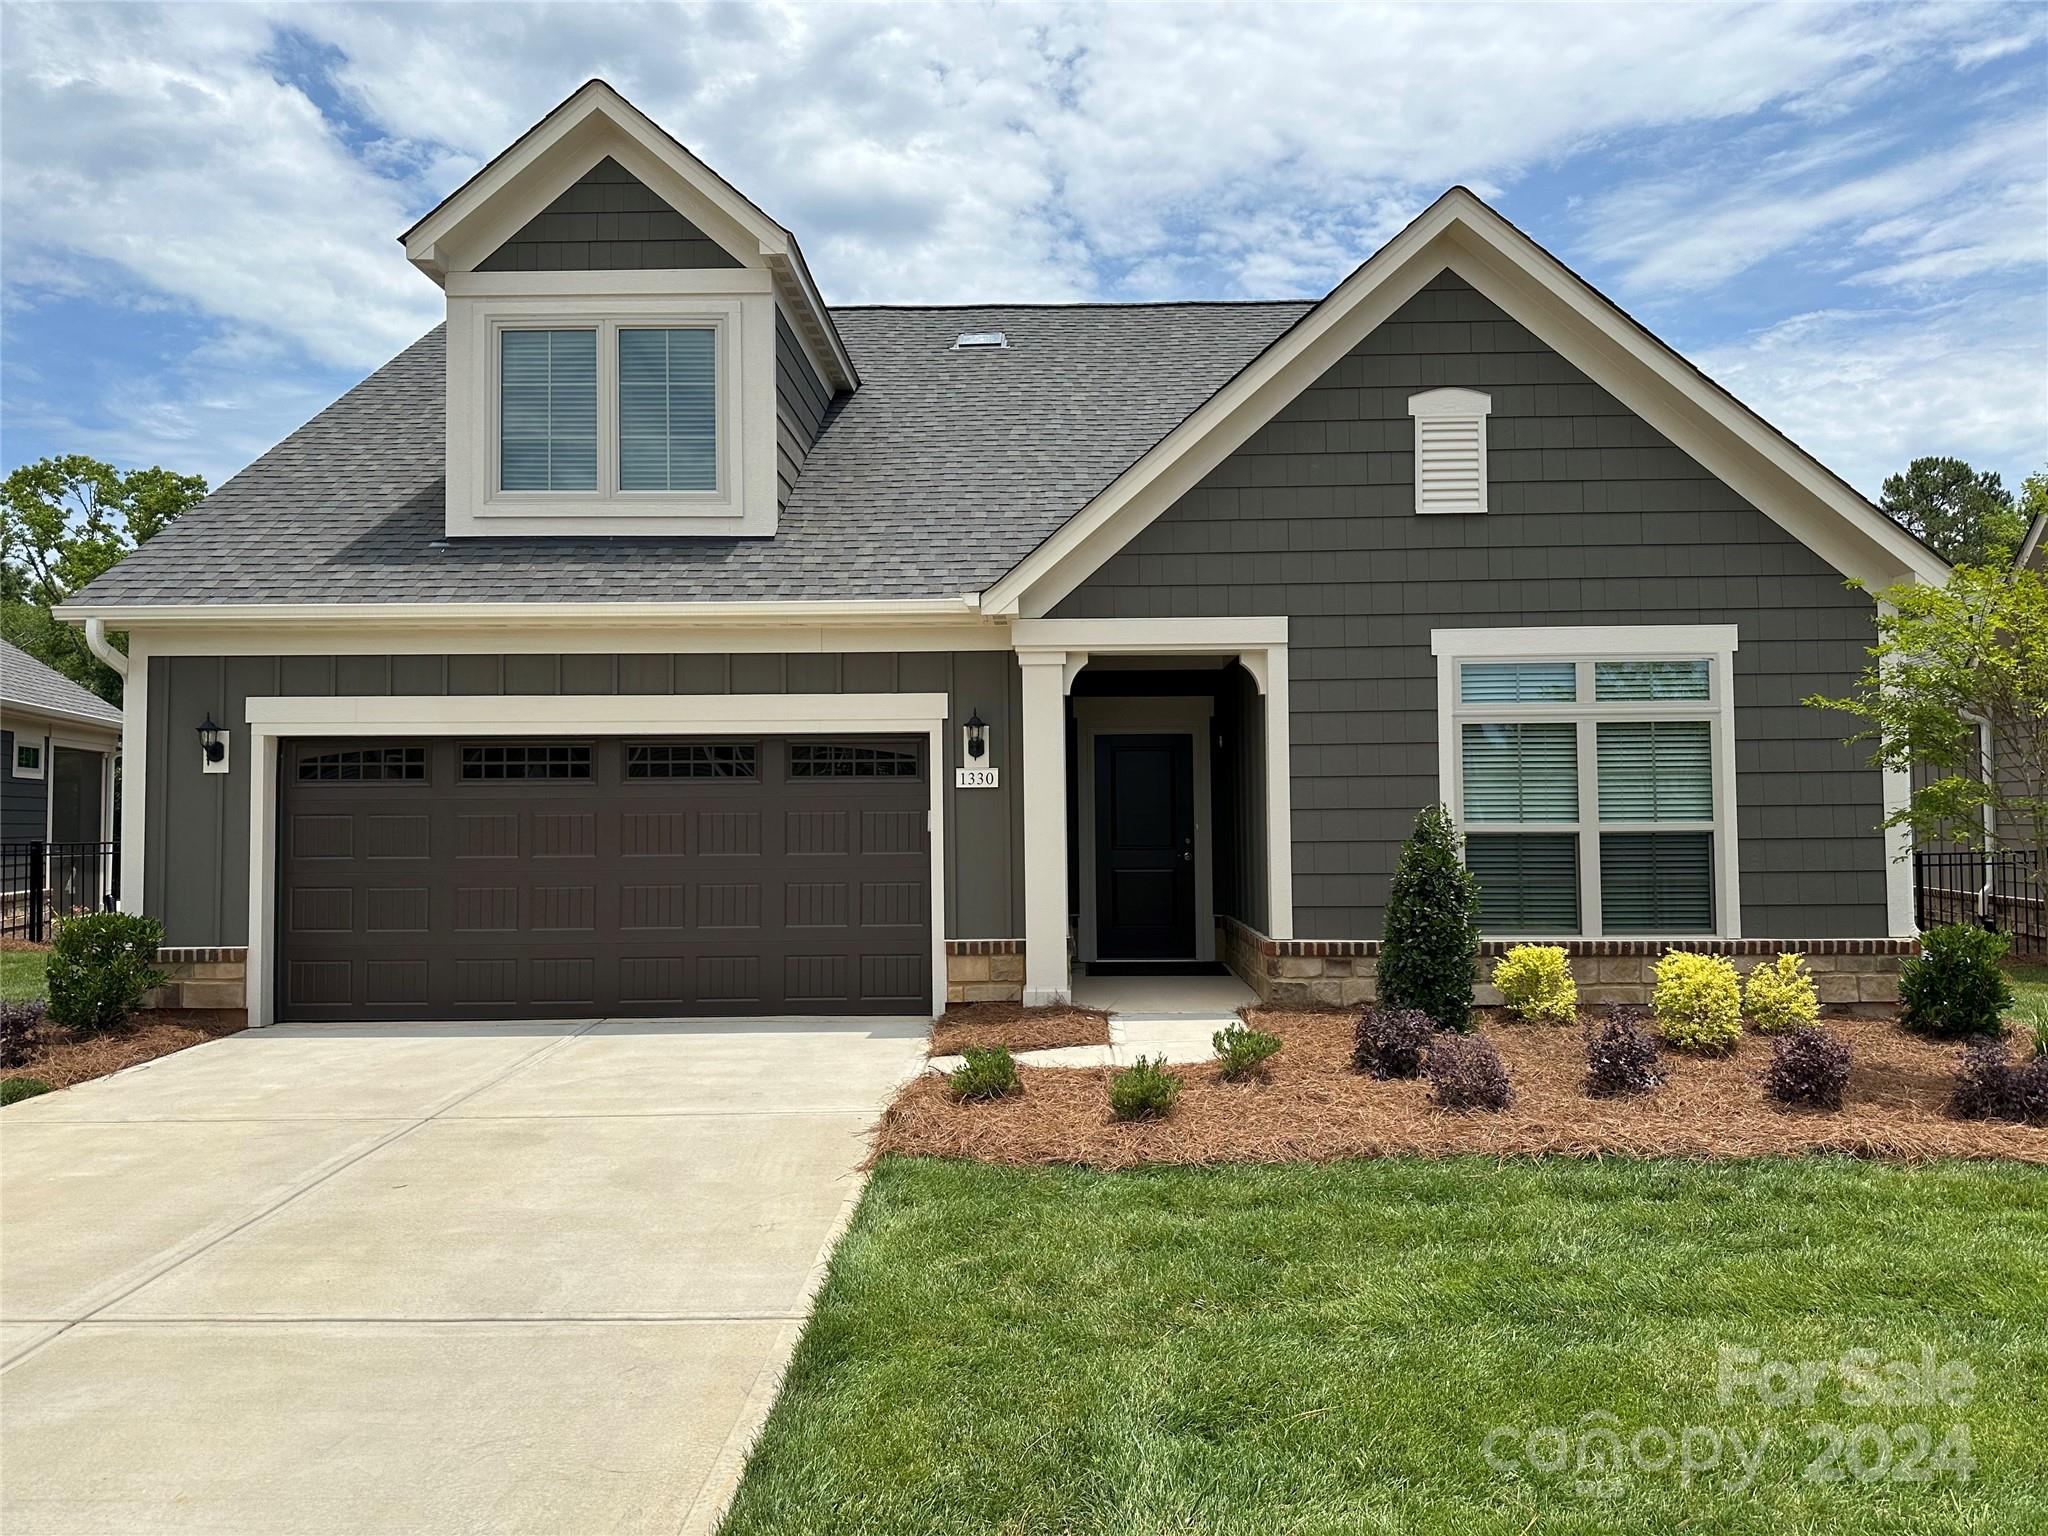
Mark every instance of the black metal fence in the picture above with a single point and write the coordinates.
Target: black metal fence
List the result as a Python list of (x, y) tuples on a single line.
[(1988, 890), (40, 882)]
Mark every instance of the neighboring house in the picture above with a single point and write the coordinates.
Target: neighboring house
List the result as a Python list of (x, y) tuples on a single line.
[(2033, 551), (59, 743), (653, 638)]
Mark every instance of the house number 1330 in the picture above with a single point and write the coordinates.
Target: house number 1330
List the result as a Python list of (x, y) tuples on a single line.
[(974, 778)]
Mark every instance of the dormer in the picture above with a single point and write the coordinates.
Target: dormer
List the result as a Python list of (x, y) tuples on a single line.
[(633, 347)]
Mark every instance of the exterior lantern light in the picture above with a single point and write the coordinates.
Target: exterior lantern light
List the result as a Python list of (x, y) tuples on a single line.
[(213, 747), (977, 737)]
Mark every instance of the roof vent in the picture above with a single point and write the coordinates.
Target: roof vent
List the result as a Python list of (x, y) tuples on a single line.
[(974, 341)]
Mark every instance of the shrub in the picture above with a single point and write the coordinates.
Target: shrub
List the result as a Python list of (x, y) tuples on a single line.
[(1953, 988), (1143, 1091), (14, 1088), (1465, 1073), (1809, 1068), (1989, 1087), (19, 1021), (1432, 932), (100, 965), (1535, 980), (985, 1072), (1243, 1050), (1391, 1042), (1698, 1001), (1621, 1055), (1984, 1085), (1780, 997)]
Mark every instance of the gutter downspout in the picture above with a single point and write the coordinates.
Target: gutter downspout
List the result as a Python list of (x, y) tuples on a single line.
[(96, 641)]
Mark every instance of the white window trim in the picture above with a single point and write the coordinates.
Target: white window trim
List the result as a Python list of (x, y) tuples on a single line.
[(1583, 645), (1460, 405), (41, 747), (745, 502), (273, 718)]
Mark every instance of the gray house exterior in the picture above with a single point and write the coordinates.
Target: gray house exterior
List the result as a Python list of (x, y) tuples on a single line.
[(942, 652), (58, 743)]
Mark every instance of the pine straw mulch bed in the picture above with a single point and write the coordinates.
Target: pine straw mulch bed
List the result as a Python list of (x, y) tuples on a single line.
[(60, 1060), (1314, 1108), (1020, 1028)]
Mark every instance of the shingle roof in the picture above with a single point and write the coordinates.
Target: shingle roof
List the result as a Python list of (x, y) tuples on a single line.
[(934, 478), (30, 684)]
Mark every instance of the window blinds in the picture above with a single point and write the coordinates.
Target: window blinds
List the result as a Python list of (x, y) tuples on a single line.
[(1656, 770), (668, 410), (1528, 881), (1525, 771), (547, 425)]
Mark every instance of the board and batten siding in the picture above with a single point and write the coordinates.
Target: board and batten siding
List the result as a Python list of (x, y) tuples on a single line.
[(196, 825), (24, 817), (1594, 518), (801, 399)]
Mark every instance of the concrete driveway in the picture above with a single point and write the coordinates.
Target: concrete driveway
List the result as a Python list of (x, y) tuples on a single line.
[(421, 1278)]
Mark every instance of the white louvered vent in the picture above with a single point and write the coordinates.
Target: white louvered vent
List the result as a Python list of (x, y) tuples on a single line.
[(1450, 449)]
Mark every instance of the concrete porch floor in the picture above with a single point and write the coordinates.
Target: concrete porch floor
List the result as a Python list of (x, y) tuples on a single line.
[(1159, 997)]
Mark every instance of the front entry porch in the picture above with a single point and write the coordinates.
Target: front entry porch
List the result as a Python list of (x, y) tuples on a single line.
[(1156, 797)]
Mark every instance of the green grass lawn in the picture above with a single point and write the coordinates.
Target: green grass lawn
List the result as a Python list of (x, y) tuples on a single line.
[(21, 972), (1295, 1349), (2029, 980)]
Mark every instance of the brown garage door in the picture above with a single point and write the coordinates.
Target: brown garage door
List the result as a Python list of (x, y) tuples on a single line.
[(641, 877)]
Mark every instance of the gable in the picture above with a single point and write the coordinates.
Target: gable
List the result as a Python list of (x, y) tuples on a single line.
[(1460, 232), (608, 220)]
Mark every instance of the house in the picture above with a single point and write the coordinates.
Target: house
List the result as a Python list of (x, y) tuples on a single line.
[(58, 743), (653, 638)]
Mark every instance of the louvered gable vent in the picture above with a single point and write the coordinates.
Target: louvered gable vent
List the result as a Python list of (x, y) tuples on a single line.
[(1450, 449)]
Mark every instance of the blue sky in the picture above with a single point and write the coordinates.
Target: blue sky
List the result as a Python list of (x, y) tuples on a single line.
[(1840, 212)]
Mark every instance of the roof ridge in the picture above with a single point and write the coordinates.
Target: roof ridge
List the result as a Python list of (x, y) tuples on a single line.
[(1070, 304)]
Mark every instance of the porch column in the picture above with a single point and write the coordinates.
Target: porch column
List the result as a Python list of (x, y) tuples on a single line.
[(1045, 827)]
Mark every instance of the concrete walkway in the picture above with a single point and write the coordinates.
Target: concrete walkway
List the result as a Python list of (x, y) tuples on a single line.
[(509, 1278), (1174, 1018)]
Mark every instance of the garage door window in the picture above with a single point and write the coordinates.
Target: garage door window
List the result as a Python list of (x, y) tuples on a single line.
[(691, 760), (843, 760), (365, 765), (526, 760)]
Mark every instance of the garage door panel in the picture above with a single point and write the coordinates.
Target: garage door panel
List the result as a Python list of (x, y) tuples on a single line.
[(706, 881)]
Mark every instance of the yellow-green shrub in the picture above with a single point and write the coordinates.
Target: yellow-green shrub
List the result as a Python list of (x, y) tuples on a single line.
[(1698, 1002), (1535, 980), (1780, 997)]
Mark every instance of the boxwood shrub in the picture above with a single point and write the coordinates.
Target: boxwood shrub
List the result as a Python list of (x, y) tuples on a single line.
[(1953, 988)]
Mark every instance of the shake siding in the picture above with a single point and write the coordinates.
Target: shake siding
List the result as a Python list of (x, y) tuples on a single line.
[(800, 402), (1594, 519), (608, 221), (196, 876)]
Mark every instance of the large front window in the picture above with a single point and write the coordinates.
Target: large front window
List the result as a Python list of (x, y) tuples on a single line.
[(1591, 791), (608, 410)]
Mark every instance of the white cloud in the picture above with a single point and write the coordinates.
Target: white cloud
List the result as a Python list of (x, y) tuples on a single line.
[(1868, 391)]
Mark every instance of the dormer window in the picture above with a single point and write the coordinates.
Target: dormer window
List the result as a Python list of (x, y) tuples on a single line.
[(1450, 449), (612, 413)]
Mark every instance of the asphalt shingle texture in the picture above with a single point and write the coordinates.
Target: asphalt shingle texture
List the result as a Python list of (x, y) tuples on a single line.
[(933, 479), (33, 685)]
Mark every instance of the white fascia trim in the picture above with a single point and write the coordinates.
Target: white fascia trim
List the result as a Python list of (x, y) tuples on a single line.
[(272, 719), (42, 713), (578, 640), (621, 615), (1614, 642), (134, 772), (647, 148), (2032, 542), (1483, 248)]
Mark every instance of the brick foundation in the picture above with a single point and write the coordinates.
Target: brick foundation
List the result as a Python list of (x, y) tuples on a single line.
[(1858, 974), (203, 980), (984, 970)]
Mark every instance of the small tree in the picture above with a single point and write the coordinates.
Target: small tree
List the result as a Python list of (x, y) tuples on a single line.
[(1952, 665), (1432, 930)]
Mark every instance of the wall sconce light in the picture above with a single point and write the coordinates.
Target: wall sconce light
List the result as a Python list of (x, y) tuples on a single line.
[(213, 747), (975, 739)]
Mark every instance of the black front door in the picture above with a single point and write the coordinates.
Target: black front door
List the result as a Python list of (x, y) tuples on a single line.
[(1145, 847)]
